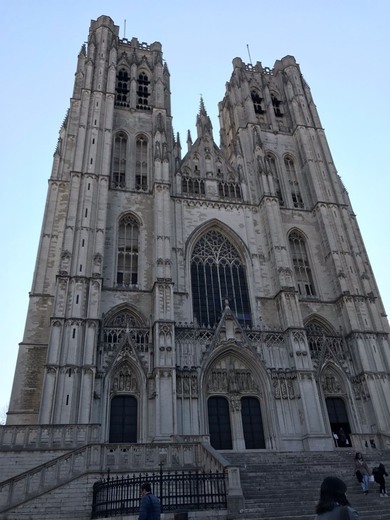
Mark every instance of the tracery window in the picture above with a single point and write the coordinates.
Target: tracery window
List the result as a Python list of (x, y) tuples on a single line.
[(141, 163), (128, 247), (192, 186), (257, 100), (118, 167), (270, 164), (229, 190), (143, 91), (292, 175), (122, 88), (121, 324), (217, 276), (300, 259)]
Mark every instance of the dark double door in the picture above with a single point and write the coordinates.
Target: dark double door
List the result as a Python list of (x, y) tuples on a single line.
[(123, 419), (220, 426)]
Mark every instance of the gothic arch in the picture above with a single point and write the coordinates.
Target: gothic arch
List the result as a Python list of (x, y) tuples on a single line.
[(225, 230), (126, 381), (125, 308), (219, 269), (234, 373), (336, 394), (319, 324)]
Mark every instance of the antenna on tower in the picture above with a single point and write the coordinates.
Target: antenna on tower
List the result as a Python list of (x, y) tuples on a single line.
[(249, 54), (124, 30)]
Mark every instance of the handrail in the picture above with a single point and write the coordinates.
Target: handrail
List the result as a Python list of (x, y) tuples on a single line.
[(48, 436), (97, 458)]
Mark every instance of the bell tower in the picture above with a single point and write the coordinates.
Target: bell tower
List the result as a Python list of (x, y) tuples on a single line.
[(110, 166)]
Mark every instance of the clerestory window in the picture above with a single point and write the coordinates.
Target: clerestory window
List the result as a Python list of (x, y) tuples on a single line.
[(300, 260), (118, 166), (218, 276), (229, 190), (128, 247), (141, 163), (192, 186), (122, 88)]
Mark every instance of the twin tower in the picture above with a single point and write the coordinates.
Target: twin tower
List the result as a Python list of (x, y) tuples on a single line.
[(221, 291)]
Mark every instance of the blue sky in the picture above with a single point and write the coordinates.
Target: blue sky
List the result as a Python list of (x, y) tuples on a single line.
[(343, 51)]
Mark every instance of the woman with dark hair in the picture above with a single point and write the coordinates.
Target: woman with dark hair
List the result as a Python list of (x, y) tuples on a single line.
[(333, 503), (362, 472)]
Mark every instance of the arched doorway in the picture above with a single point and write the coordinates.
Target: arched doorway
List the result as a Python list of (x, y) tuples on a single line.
[(338, 418), (123, 419), (252, 423), (219, 423)]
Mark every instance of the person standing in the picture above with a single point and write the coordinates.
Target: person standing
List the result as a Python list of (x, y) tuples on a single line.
[(333, 503), (342, 438), (364, 472), (150, 508)]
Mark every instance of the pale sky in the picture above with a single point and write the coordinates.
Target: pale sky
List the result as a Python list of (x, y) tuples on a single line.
[(342, 48)]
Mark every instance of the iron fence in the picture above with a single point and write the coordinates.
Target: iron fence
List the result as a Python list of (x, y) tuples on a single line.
[(178, 491)]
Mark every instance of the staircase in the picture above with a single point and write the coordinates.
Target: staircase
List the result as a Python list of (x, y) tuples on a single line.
[(285, 486)]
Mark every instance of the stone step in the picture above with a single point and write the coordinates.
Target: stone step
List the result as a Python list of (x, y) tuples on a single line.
[(286, 486)]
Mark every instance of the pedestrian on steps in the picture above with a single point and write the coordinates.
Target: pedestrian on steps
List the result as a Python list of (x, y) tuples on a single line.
[(362, 472), (333, 503), (379, 477)]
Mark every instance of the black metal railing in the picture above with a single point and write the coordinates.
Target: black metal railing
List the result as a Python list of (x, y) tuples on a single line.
[(177, 491)]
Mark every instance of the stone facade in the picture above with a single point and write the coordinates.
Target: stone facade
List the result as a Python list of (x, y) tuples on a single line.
[(225, 291)]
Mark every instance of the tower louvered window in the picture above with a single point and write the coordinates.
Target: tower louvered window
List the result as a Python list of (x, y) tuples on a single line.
[(118, 168), (122, 88), (293, 180), (271, 169), (143, 92), (257, 100), (300, 259), (217, 277), (128, 238), (141, 165), (277, 104)]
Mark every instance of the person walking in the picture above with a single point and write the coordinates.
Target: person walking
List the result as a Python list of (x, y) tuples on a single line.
[(379, 477), (362, 472), (150, 508), (333, 503)]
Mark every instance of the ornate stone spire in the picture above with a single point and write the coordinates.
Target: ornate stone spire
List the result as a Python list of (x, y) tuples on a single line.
[(203, 122)]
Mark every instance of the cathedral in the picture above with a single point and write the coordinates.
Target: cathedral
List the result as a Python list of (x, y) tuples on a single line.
[(219, 292)]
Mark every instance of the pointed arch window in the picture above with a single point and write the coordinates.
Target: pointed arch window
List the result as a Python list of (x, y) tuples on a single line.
[(128, 247), (122, 88), (293, 179), (300, 259), (270, 164), (217, 275), (143, 91), (125, 323), (141, 163), (118, 167), (257, 100)]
